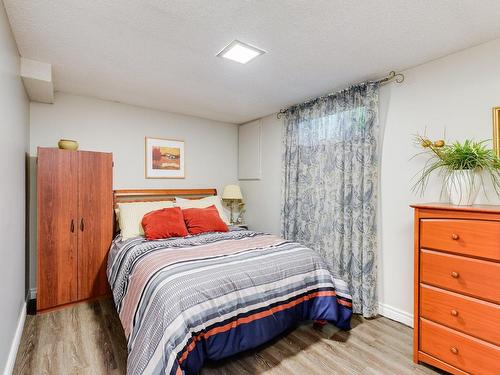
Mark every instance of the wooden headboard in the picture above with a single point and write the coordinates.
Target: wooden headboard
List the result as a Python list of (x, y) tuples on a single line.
[(154, 195)]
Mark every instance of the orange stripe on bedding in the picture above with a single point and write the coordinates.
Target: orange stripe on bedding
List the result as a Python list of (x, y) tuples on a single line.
[(165, 257), (251, 318), (344, 303)]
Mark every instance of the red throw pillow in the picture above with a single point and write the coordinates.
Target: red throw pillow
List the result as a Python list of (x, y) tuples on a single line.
[(201, 220), (164, 223)]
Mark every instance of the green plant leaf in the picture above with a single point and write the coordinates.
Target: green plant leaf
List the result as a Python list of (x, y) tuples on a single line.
[(468, 155)]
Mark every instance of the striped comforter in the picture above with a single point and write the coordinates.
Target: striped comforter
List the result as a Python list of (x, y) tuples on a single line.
[(184, 300)]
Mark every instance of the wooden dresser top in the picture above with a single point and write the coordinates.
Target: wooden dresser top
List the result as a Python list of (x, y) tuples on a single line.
[(485, 208)]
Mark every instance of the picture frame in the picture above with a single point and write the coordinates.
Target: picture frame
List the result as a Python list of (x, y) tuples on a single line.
[(164, 158), (496, 130)]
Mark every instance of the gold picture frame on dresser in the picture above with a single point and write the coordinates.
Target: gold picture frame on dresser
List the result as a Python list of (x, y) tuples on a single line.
[(496, 130), (457, 288)]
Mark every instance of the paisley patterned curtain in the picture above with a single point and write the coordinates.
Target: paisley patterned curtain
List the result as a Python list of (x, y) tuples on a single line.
[(330, 185)]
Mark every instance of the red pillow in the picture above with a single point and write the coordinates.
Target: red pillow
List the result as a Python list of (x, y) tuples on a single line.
[(164, 223), (201, 220)]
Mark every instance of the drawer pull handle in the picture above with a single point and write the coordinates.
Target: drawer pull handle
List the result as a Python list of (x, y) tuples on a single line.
[(455, 275), (454, 350), (455, 236), (454, 312)]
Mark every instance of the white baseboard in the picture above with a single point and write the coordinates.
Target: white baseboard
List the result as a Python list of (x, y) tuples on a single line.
[(395, 314), (9, 366), (32, 293)]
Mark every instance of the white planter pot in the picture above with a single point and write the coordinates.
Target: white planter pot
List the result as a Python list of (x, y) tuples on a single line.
[(463, 186)]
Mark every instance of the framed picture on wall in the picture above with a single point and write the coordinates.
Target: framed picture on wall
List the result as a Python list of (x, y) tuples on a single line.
[(496, 130), (164, 158)]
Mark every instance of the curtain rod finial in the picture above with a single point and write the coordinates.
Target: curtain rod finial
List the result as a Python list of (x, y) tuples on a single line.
[(281, 113), (399, 78)]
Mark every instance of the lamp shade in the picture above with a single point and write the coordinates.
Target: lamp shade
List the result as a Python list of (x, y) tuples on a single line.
[(232, 192)]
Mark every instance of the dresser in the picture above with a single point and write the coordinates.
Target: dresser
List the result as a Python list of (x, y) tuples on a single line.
[(457, 288), (74, 225)]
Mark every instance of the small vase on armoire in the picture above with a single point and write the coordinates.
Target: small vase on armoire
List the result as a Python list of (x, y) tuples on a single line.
[(75, 225)]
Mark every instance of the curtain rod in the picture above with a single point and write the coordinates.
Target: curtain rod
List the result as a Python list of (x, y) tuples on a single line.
[(392, 76)]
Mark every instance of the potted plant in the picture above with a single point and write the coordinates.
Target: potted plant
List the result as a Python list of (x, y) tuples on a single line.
[(462, 165)]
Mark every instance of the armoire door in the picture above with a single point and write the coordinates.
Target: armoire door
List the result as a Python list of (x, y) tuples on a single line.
[(95, 221), (57, 192)]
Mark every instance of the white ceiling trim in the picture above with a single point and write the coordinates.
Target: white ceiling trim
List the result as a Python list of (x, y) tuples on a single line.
[(37, 79)]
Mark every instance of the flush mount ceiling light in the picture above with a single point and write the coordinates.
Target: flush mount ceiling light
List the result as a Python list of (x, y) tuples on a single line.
[(240, 52)]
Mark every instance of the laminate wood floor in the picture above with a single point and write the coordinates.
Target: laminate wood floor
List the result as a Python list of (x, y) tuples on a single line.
[(88, 339)]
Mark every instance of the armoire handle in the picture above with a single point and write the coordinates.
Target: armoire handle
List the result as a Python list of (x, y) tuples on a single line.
[(82, 225), (72, 228)]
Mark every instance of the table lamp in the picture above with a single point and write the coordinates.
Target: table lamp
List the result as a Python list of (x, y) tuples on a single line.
[(232, 193)]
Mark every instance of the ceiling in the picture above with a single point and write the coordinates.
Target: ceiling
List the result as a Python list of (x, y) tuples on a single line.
[(161, 53)]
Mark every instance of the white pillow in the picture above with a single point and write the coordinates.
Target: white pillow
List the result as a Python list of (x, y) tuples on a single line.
[(131, 214), (203, 203)]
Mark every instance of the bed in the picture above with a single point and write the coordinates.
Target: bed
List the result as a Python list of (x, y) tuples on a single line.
[(185, 300)]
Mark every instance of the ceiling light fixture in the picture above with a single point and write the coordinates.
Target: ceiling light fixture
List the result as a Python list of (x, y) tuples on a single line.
[(240, 52)]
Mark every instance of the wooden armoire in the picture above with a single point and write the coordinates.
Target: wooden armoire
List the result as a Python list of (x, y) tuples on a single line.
[(75, 225)]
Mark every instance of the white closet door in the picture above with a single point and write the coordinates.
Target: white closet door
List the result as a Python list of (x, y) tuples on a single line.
[(249, 151)]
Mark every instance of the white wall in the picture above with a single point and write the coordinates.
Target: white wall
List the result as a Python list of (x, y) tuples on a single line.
[(263, 197), (457, 93), (13, 148), (99, 125)]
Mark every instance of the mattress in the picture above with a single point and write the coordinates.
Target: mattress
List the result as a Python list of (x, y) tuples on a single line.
[(182, 301)]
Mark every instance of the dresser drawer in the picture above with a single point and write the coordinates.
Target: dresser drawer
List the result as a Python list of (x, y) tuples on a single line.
[(474, 277), (479, 238), (459, 350), (469, 315)]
